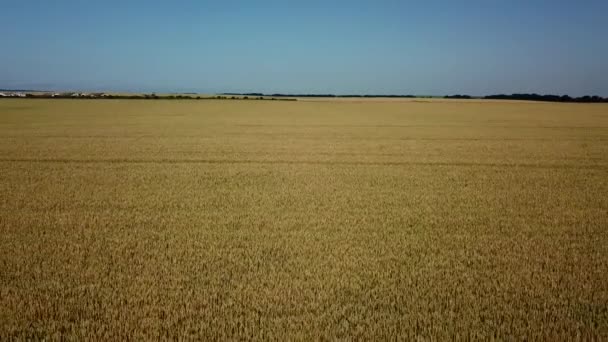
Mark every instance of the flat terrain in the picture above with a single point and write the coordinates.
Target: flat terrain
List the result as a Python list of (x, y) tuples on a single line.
[(303, 220)]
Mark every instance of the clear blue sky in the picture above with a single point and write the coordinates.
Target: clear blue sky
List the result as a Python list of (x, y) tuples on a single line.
[(475, 47)]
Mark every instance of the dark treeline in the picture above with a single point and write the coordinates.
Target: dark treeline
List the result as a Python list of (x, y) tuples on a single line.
[(77, 96), (535, 97), (292, 97), (548, 98), (525, 97), (322, 95), (466, 97)]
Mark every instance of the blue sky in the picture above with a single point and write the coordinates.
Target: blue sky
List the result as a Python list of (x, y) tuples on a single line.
[(382, 47)]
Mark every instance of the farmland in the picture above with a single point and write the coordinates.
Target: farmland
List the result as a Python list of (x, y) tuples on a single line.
[(329, 219)]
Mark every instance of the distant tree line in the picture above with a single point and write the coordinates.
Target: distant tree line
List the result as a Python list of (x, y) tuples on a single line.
[(100, 96), (322, 95), (548, 98), (292, 97), (465, 97), (526, 97), (535, 97)]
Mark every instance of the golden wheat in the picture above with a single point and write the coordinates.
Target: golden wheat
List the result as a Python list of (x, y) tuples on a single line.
[(303, 220)]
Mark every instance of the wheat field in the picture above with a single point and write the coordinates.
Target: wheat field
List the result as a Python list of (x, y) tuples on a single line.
[(307, 220)]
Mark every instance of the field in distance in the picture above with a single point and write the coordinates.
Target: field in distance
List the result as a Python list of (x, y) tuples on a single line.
[(303, 220)]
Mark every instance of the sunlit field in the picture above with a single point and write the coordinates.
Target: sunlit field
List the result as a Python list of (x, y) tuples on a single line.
[(307, 220)]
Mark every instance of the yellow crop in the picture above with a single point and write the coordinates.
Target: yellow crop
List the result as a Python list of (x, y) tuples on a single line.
[(307, 220)]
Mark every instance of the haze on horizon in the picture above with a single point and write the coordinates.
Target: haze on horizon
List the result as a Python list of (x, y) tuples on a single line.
[(346, 47)]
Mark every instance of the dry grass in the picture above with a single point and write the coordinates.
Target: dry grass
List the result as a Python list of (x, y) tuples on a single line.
[(303, 220)]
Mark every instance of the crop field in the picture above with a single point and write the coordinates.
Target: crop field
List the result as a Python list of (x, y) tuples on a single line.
[(307, 220)]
